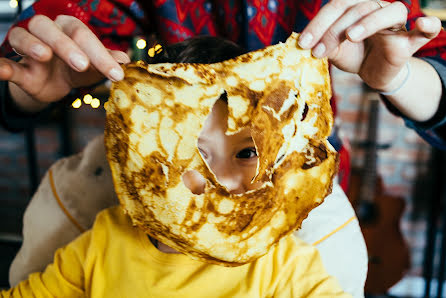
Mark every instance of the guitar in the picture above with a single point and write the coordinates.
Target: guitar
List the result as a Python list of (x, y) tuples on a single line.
[(379, 216)]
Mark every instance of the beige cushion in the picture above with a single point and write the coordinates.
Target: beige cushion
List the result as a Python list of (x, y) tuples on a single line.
[(70, 195)]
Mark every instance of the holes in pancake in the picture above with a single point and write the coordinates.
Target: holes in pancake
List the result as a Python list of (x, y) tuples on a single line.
[(305, 112), (230, 157), (194, 181)]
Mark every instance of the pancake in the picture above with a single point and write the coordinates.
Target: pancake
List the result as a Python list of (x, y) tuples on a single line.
[(154, 118)]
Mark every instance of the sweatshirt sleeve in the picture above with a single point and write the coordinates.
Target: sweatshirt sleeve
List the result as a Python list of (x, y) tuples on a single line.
[(12, 118), (434, 53), (63, 278), (434, 129), (115, 22)]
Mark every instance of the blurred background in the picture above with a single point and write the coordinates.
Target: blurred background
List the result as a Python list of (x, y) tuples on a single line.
[(379, 146)]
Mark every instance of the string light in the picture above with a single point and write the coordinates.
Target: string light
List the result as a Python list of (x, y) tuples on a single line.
[(88, 98), (155, 50), (95, 103), (77, 103), (13, 3), (141, 44)]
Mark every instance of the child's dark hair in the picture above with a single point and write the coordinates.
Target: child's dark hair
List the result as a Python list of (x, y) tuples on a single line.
[(200, 49)]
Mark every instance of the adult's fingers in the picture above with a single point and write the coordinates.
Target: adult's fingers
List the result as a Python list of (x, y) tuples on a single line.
[(66, 49), (27, 44), (430, 27), (335, 35), (119, 56), (98, 55), (325, 18), (392, 16)]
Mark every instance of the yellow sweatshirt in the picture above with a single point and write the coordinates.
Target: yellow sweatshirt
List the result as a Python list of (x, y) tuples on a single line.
[(115, 259)]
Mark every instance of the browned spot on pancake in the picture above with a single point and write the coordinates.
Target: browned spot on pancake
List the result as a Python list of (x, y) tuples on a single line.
[(243, 221), (203, 72), (266, 132), (115, 126), (210, 207), (198, 225), (244, 91), (179, 112), (253, 209), (277, 96), (130, 81), (319, 155), (290, 112), (134, 98), (151, 177), (245, 58), (132, 189)]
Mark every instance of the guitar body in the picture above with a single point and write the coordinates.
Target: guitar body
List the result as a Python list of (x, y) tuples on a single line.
[(388, 253)]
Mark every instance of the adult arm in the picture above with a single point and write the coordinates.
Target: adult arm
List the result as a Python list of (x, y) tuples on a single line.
[(66, 45), (11, 116), (364, 37), (58, 56), (432, 130)]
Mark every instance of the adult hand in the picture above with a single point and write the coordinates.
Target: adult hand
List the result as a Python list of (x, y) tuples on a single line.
[(368, 38), (57, 56)]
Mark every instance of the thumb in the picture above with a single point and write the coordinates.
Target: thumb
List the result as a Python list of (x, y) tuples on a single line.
[(426, 29), (12, 71)]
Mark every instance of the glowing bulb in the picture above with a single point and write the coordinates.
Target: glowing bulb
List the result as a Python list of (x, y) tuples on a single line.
[(141, 44), (155, 50), (77, 103), (151, 52), (95, 103), (13, 3), (88, 98)]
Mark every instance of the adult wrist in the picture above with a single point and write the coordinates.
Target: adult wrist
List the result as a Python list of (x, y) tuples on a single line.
[(401, 80)]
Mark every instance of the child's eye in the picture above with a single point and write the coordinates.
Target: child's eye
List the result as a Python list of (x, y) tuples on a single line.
[(247, 153)]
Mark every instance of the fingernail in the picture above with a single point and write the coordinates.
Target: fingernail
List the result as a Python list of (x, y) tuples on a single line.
[(305, 40), (37, 50), (116, 74), (78, 61), (319, 50), (356, 32), (426, 22)]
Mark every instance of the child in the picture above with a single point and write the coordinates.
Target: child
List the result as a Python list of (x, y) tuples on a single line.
[(297, 270)]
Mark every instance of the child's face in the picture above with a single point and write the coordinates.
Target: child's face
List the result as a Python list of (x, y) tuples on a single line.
[(232, 158)]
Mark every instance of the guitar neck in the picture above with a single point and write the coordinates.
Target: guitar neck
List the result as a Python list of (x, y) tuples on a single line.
[(369, 171)]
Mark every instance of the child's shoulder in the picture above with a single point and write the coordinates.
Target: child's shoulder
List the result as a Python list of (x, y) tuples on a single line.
[(112, 218)]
